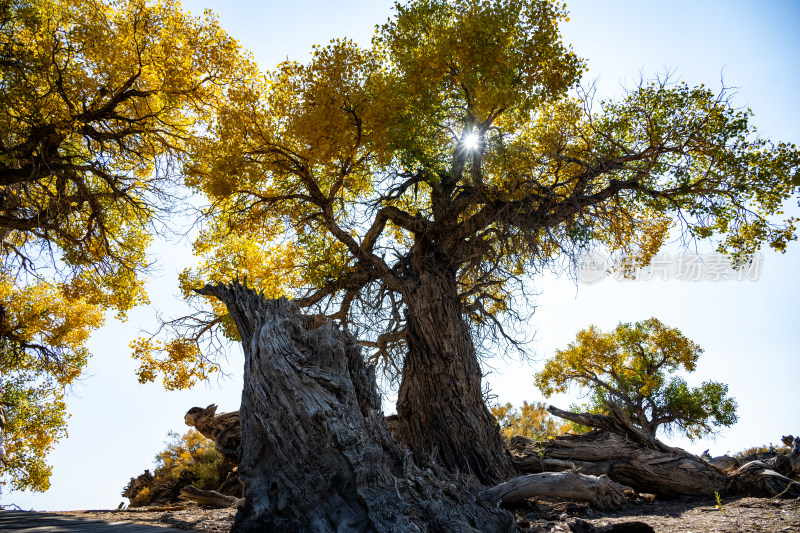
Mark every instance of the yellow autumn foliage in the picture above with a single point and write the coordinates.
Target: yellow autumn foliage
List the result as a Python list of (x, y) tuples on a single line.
[(531, 420), (98, 102), (634, 368)]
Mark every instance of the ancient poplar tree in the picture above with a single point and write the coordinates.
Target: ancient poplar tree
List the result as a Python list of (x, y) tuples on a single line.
[(97, 103), (404, 189)]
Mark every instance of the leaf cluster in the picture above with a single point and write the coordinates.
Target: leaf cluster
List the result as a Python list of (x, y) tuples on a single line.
[(188, 459), (531, 421)]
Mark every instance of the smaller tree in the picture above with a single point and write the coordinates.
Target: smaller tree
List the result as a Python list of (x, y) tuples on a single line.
[(532, 421), (633, 369), (188, 459)]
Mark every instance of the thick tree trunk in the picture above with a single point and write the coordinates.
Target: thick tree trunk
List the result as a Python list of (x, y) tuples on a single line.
[(442, 416), (315, 454)]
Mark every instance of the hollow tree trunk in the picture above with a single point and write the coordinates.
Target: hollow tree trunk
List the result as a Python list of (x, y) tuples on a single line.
[(315, 454), (442, 415)]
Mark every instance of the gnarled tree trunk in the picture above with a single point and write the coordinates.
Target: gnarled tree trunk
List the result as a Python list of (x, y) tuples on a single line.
[(315, 454), (442, 415), (631, 457)]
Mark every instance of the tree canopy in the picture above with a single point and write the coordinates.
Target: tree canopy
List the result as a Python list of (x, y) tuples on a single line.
[(409, 189), (455, 135), (406, 190), (98, 102), (633, 368)]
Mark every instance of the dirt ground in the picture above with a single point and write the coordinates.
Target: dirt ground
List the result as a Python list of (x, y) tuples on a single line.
[(540, 516), (673, 516)]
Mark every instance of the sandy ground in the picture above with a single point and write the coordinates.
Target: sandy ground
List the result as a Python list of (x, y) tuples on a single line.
[(535, 516), (684, 516)]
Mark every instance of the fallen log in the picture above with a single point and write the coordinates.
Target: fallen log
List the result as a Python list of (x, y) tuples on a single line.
[(759, 479), (209, 498), (149, 509), (630, 457), (623, 460), (599, 491), (724, 462)]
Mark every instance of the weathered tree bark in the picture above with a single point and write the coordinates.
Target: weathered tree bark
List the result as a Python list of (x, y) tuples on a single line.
[(624, 461), (759, 479), (315, 454), (723, 462), (210, 498), (223, 429), (788, 465), (600, 491), (631, 457), (442, 415)]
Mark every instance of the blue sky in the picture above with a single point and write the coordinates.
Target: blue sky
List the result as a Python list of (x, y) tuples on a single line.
[(749, 329)]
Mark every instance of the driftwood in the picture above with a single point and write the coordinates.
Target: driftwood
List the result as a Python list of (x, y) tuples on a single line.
[(210, 498), (787, 465), (224, 429), (629, 456), (659, 471), (149, 509), (315, 452), (600, 492), (723, 462)]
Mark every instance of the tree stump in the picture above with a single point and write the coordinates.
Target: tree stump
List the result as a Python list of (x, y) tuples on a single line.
[(315, 454)]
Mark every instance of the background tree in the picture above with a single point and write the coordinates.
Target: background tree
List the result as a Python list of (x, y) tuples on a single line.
[(531, 420), (188, 459), (97, 103), (632, 367), (409, 189)]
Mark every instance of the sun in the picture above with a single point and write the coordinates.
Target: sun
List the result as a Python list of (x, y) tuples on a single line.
[(470, 142)]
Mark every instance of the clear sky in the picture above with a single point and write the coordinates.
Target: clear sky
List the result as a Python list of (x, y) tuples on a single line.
[(749, 329)]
